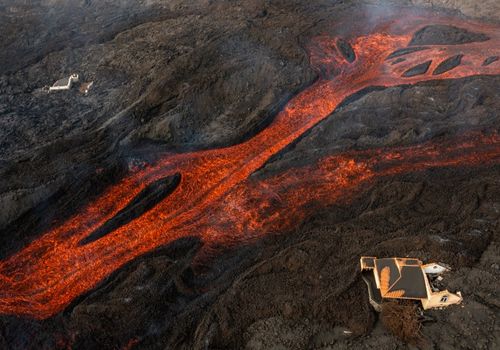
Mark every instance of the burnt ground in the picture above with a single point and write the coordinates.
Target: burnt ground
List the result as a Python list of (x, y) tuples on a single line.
[(202, 74)]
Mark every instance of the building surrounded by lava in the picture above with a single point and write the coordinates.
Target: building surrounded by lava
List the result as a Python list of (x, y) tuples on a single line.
[(405, 278)]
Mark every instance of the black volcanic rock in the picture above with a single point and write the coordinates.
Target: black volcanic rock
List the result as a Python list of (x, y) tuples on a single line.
[(395, 116), (490, 60), (419, 69), (448, 64), (145, 200), (346, 50), (445, 35), (398, 60), (405, 51)]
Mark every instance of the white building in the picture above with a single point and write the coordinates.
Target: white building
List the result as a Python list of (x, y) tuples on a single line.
[(65, 83)]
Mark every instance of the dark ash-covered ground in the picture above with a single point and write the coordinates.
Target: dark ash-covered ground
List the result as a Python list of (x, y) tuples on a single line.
[(182, 75)]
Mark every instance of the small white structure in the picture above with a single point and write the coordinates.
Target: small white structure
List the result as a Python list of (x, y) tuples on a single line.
[(65, 83), (435, 269)]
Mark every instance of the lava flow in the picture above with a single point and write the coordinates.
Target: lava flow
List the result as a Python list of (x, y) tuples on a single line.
[(218, 201)]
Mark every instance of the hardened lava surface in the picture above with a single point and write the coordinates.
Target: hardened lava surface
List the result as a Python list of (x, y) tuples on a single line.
[(218, 185)]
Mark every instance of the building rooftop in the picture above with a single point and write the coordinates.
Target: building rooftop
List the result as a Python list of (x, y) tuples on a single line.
[(404, 278)]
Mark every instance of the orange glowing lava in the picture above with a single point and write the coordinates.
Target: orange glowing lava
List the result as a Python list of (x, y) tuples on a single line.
[(219, 202)]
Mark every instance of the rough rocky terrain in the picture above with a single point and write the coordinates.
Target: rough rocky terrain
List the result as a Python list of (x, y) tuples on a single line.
[(485, 9), (190, 75)]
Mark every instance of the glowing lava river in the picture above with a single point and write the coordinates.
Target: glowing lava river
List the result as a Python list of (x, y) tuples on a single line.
[(219, 201)]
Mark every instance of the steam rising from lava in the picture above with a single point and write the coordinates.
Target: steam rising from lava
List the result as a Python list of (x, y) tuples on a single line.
[(216, 198)]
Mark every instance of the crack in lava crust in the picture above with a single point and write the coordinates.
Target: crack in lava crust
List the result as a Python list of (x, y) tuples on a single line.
[(219, 202)]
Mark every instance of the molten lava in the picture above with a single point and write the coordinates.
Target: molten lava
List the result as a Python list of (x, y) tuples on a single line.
[(217, 199)]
